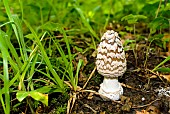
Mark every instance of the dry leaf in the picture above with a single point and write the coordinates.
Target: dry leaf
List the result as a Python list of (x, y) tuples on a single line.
[(152, 110), (167, 77), (129, 36), (103, 112), (94, 54), (167, 38), (126, 107), (39, 110), (81, 56), (142, 112), (90, 96)]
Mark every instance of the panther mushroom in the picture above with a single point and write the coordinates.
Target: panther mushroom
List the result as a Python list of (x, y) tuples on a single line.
[(110, 63)]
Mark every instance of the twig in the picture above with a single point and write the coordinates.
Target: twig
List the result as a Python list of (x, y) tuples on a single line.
[(89, 77), (145, 104), (67, 83), (87, 106), (160, 77), (71, 102), (130, 87), (152, 72)]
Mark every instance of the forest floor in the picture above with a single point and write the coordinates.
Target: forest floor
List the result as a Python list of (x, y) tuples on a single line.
[(145, 92)]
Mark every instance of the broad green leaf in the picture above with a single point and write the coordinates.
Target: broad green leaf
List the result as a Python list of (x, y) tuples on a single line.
[(150, 8), (128, 28), (157, 39), (39, 97), (128, 42), (159, 23), (21, 95), (132, 19)]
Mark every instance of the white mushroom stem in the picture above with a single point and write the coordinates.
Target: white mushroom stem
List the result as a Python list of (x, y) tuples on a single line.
[(110, 88)]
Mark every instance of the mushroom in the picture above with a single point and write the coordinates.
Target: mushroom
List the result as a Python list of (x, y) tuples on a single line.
[(110, 63)]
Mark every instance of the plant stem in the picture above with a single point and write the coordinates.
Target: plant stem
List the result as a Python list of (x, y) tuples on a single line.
[(30, 105), (158, 9), (147, 51), (135, 48), (134, 28), (150, 35)]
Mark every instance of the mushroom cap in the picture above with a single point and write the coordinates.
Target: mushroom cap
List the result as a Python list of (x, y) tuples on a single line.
[(111, 61)]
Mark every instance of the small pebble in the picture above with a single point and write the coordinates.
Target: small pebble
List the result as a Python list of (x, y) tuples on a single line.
[(143, 99)]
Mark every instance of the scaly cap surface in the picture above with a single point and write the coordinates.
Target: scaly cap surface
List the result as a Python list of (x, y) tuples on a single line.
[(111, 61)]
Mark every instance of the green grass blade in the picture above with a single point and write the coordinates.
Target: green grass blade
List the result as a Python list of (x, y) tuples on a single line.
[(12, 50), (61, 52), (70, 65), (77, 71), (21, 6), (160, 64), (2, 102), (84, 20), (5, 55), (6, 24), (19, 71), (20, 35), (47, 75), (32, 71), (17, 30), (46, 59)]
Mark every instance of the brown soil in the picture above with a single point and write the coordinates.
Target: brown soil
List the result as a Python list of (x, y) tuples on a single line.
[(139, 85)]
